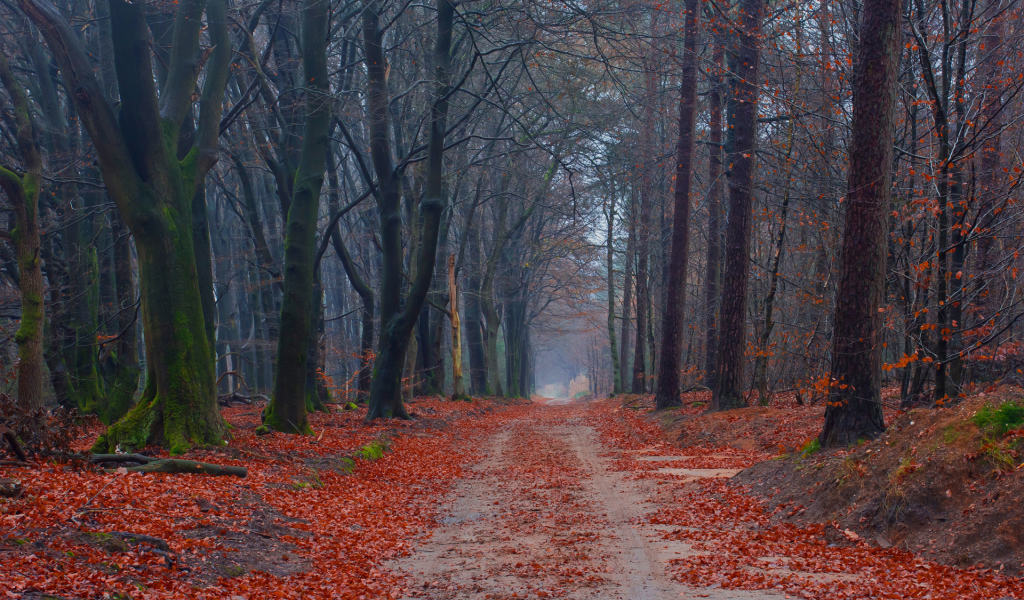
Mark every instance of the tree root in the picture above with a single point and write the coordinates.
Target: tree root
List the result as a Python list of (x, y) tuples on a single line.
[(148, 464), (12, 440)]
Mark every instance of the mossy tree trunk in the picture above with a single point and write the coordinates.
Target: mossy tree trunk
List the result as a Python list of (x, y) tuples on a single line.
[(153, 190), (287, 410), (23, 193), (397, 322)]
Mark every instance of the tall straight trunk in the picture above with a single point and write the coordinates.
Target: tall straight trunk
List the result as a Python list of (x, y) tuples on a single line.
[(458, 389), (643, 247), (728, 391), (153, 191), (23, 194), (517, 352), (675, 296), (227, 321), (316, 391), (474, 322), (616, 372), (627, 290), (287, 409), (854, 409), (713, 272), (397, 322), (960, 209)]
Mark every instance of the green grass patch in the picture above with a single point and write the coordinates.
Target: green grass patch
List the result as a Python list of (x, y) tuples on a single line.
[(1000, 419), (812, 446)]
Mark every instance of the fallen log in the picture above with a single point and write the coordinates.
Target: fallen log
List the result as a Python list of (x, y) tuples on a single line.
[(177, 465), (140, 459)]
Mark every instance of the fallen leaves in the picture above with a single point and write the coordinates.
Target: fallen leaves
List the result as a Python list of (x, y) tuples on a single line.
[(337, 525)]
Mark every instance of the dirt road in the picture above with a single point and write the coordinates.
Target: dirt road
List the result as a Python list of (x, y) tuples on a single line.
[(546, 514)]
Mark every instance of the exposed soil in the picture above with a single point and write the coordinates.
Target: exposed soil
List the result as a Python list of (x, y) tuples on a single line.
[(933, 484)]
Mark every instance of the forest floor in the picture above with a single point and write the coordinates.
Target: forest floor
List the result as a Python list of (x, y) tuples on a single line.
[(482, 499)]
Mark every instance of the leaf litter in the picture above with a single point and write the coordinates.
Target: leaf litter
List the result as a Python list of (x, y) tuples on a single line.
[(475, 500)]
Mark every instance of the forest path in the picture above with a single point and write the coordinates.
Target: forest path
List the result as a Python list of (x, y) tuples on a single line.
[(545, 514)]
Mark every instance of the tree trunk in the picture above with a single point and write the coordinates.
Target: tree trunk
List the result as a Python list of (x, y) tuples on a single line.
[(459, 391), (728, 390), (287, 409), (474, 321), (397, 321), (627, 291), (854, 409), (23, 194), (153, 191), (616, 372), (713, 272), (675, 297)]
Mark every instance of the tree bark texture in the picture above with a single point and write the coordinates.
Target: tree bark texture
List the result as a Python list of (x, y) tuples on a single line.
[(397, 322), (23, 193), (728, 390), (287, 409), (854, 408), (675, 295), (713, 273), (137, 152)]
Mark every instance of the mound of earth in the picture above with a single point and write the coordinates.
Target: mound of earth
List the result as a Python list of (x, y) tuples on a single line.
[(935, 483), (782, 427)]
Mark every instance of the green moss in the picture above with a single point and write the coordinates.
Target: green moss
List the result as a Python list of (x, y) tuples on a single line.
[(373, 451), (998, 420), (263, 430), (350, 406)]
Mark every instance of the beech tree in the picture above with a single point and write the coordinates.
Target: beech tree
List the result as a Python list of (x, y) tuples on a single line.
[(153, 189)]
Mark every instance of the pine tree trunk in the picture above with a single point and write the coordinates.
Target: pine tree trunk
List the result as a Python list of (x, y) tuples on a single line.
[(713, 272), (854, 409), (728, 390), (675, 298)]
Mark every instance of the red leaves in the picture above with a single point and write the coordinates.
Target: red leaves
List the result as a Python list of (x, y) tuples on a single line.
[(354, 521), (735, 546)]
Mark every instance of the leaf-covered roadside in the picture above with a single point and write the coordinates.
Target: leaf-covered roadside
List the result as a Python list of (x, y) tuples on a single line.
[(737, 545), (313, 519)]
